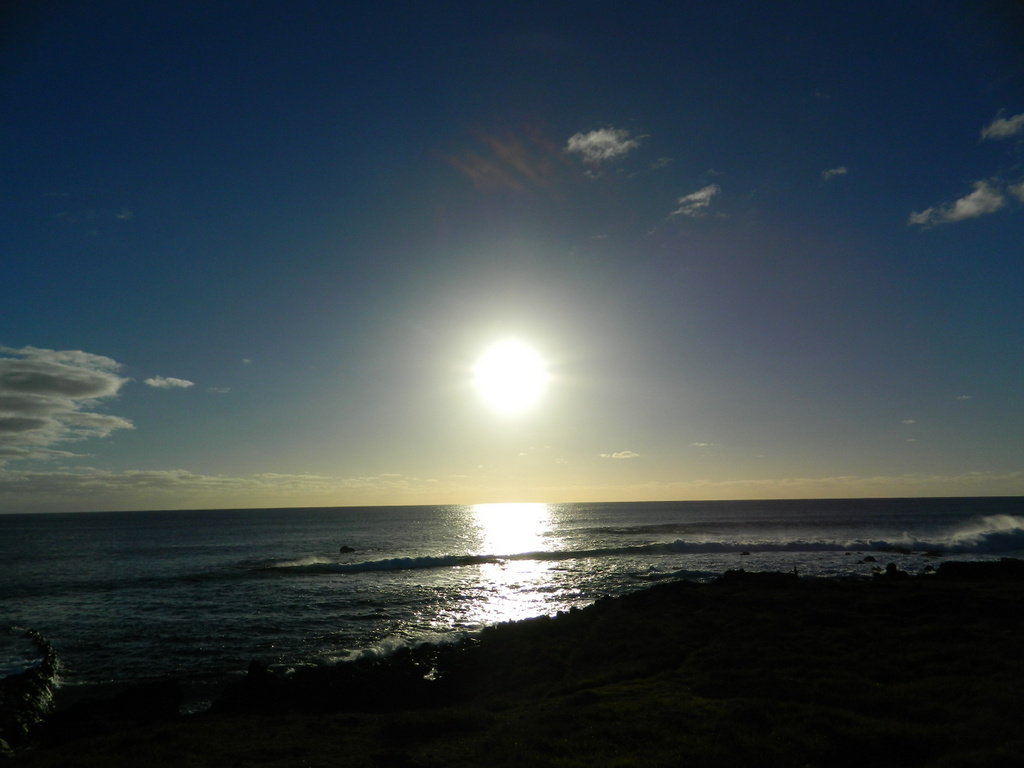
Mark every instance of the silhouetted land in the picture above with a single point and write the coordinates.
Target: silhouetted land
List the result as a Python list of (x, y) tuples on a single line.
[(751, 670)]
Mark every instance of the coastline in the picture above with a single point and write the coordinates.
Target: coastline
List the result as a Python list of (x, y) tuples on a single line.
[(753, 668)]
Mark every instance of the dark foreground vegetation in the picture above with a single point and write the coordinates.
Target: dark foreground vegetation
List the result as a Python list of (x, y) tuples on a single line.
[(751, 670)]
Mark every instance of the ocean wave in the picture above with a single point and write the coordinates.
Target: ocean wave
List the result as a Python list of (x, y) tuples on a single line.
[(300, 562), (685, 574), (633, 530), (390, 645), (994, 535), (320, 565), (30, 665), (20, 651), (316, 564), (736, 547), (991, 535)]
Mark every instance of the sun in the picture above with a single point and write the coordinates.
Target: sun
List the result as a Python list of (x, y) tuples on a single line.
[(510, 376)]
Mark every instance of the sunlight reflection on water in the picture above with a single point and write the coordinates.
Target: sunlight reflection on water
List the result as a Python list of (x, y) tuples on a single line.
[(510, 529), (514, 589)]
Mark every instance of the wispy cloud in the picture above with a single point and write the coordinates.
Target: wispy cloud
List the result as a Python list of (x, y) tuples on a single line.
[(831, 173), (619, 455), (697, 202), (522, 161), (167, 382), (1004, 127), (46, 397), (603, 144), (91, 221), (485, 173), (90, 489), (983, 200)]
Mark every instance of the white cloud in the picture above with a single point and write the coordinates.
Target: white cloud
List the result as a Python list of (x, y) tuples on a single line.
[(924, 218), (44, 397), (168, 382), (1003, 127), (695, 203), (833, 172), (910, 421), (603, 144), (988, 196), (619, 455), (965, 397), (983, 200)]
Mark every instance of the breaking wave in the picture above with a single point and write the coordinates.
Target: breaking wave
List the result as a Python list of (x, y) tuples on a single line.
[(29, 665), (321, 565), (993, 535)]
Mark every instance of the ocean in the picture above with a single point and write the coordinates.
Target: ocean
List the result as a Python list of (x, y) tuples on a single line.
[(130, 596)]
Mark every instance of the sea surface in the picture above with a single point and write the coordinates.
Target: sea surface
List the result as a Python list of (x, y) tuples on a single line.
[(129, 596)]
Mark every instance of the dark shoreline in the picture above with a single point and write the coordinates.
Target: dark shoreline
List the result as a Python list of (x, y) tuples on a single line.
[(752, 669)]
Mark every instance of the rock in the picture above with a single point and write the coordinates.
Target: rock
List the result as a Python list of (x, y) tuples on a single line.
[(763, 578), (140, 704), (1006, 569), (892, 572), (259, 691), (146, 702), (26, 698)]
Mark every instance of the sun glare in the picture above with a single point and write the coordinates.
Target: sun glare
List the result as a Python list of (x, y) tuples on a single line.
[(511, 529), (513, 588), (510, 376)]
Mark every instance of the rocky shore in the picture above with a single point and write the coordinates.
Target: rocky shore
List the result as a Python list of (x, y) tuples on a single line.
[(759, 669), (26, 698)]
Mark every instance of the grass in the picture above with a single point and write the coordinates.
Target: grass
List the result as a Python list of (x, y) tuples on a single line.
[(749, 671)]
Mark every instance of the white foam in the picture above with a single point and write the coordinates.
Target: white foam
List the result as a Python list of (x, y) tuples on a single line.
[(302, 562), (992, 535), (393, 643)]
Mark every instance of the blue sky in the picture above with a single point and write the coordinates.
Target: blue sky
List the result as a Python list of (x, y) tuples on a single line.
[(251, 251)]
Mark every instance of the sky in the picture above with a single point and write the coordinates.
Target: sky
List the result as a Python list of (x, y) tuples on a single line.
[(250, 252)]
